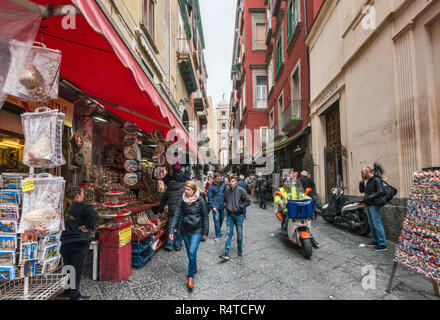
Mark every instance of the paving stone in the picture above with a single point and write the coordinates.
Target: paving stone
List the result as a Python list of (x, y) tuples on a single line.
[(152, 291)]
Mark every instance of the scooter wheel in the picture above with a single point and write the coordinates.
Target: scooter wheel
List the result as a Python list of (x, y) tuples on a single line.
[(306, 245)]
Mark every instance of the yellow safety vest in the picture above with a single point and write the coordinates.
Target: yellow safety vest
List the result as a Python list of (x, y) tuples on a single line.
[(294, 195)]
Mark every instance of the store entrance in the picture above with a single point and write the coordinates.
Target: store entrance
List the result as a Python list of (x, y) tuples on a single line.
[(11, 154), (333, 150)]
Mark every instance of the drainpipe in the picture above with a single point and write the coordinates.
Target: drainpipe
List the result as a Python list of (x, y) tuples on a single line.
[(307, 56)]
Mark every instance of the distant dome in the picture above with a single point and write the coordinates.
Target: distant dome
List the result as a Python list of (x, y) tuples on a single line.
[(223, 104)]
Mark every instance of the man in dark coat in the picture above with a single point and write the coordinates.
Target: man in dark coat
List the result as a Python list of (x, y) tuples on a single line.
[(172, 196), (236, 200), (261, 187), (307, 182), (374, 199), (242, 183)]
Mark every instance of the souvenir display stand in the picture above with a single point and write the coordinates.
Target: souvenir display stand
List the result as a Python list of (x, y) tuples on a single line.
[(419, 243)]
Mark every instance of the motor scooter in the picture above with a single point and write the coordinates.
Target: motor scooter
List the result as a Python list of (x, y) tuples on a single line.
[(300, 214), (341, 211)]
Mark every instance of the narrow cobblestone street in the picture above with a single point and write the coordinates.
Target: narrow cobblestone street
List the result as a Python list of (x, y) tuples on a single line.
[(270, 269)]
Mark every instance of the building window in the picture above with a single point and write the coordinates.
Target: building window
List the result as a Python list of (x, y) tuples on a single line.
[(296, 93), (292, 18), (279, 52), (259, 31), (223, 114), (271, 118), (261, 92), (148, 17), (264, 136), (223, 126), (270, 74)]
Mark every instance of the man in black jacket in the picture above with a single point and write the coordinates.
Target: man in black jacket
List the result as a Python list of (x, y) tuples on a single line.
[(307, 182), (172, 196), (374, 199), (236, 200), (242, 183), (261, 188)]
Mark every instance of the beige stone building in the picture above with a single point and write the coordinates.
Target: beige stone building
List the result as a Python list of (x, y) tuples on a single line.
[(222, 120), (375, 92), (166, 37)]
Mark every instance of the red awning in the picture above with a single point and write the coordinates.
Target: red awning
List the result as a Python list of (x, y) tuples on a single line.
[(97, 62)]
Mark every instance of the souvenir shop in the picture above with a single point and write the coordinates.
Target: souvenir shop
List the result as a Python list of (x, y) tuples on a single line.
[(108, 136)]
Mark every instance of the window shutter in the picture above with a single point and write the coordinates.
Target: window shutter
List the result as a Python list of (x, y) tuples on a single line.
[(290, 21), (295, 14)]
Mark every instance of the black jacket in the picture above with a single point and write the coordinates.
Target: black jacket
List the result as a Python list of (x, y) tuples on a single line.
[(79, 214), (172, 196), (308, 182), (261, 184), (194, 217), (244, 185), (236, 201), (374, 192)]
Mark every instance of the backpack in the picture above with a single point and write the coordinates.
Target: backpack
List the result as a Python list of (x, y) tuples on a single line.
[(390, 191)]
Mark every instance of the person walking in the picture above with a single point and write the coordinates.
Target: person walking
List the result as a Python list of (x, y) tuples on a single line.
[(192, 211), (216, 197), (80, 220), (261, 189), (236, 200), (374, 198), (307, 182), (242, 183), (172, 196)]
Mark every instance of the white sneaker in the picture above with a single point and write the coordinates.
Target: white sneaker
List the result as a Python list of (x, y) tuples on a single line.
[(216, 239)]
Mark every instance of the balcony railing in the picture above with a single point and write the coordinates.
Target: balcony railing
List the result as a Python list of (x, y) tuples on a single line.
[(291, 116), (182, 49)]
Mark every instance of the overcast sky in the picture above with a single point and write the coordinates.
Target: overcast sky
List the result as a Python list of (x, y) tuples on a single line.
[(218, 18)]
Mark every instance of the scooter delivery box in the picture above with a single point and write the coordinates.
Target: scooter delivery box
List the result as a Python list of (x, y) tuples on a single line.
[(302, 209)]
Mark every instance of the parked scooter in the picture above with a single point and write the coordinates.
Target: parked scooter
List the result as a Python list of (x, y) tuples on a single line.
[(300, 214), (341, 211)]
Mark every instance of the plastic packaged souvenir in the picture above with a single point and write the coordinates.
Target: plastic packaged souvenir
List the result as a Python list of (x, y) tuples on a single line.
[(43, 131), (43, 206), (38, 80), (28, 268), (50, 240), (8, 226), (49, 252), (10, 196), (7, 257)]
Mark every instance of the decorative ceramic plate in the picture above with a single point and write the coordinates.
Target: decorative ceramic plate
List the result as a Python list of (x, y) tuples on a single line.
[(130, 153), (131, 179), (131, 165), (130, 127), (159, 160), (160, 173)]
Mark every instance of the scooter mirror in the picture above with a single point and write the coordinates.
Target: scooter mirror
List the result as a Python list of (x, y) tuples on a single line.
[(308, 190)]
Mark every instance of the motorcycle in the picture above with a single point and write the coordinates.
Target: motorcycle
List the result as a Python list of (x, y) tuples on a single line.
[(300, 214), (341, 211)]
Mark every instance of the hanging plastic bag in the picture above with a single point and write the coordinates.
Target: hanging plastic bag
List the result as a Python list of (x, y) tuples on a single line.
[(43, 132), (43, 206), (38, 80), (18, 24)]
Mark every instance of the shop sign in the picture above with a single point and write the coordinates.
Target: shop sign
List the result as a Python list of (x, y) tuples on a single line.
[(27, 185), (58, 104), (124, 237)]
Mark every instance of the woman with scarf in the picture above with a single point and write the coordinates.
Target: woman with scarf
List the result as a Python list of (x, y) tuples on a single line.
[(192, 211)]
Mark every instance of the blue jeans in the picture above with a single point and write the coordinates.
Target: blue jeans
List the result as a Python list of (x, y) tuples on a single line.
[(192, 244), (177, 242), (218, 217), (236, 221), (316, 203), (375, 221)]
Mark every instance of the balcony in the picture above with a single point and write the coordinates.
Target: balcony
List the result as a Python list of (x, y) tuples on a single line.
[(276, 6), (198, 102), (203, 119), (186, 67), (291, 117), (237, 80)]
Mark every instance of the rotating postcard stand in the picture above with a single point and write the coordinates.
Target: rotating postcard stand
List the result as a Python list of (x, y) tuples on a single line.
[(38, 287)]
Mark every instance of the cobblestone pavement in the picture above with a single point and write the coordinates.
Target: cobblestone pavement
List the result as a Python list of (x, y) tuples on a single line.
[(271, 269)]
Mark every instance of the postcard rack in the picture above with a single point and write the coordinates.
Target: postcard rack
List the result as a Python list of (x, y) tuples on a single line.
[(41, 287)]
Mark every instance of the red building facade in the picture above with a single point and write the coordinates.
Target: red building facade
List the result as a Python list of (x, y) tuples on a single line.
[(249, 74), (288, 80)]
